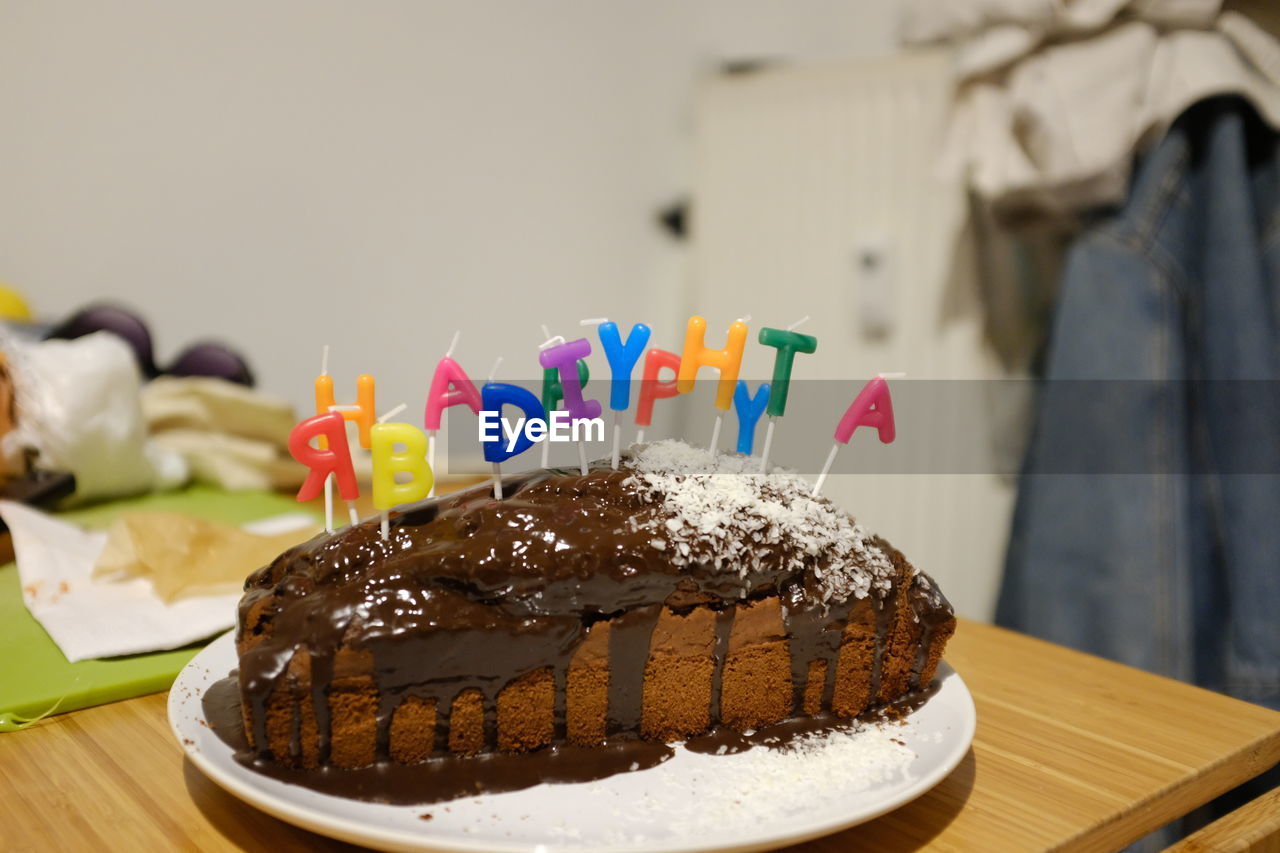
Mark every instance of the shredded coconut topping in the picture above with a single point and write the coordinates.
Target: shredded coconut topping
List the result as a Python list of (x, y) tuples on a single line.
[(723, 511)]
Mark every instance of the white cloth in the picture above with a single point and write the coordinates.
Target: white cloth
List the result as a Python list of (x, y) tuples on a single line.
[(90, 618), (229, 435), (78, 411), (1053, 97)]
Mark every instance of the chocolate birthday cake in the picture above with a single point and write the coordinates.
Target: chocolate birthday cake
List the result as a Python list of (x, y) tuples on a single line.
[(681, 593)]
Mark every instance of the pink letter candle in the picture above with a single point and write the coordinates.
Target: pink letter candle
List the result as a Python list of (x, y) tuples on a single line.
[(450, 386), (873, 408)]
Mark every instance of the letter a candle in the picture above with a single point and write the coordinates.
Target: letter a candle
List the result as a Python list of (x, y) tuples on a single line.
[(871, 408), (450, 386)]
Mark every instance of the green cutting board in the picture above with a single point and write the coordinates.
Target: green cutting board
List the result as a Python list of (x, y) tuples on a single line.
[(35, 678)]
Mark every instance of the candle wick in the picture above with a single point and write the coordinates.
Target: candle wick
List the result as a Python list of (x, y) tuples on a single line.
[(899, 375), (594, 321), (453, 344), (347, 408), (546, 333), (494, 371), (553, 340), (324, 360), (391, 414), (746, 319), (798, 323)]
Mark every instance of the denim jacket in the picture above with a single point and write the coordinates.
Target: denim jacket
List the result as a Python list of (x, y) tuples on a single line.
[(1166, 553)]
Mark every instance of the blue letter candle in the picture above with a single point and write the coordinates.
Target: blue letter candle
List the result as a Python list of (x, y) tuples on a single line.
[(749, 409), (622, 359)]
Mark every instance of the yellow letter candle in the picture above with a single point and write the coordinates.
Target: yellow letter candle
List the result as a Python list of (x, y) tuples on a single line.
[(388, 461)]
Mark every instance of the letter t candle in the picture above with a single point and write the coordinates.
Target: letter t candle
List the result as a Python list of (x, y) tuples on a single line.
[(788, 342)]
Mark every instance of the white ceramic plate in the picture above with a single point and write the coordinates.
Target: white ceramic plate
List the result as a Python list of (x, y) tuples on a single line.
[(753, 800)]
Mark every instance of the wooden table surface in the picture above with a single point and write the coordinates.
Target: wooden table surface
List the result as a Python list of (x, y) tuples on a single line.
[(1071, 752)]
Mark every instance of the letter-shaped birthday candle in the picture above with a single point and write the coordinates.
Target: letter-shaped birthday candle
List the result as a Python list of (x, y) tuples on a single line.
[(553, 392), (553, 396), (450, 386), (727, 361), (749, 409), (652, 388), (363, 411), (788, 343), (388, 462), (873, 407), (495, 395), (622, 359), (334, 459), (564, 357)]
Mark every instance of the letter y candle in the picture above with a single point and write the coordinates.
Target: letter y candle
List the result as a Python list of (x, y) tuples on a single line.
[(622, 358)]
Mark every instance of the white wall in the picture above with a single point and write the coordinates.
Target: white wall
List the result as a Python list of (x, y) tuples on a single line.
[(801, 171), (286, 173)]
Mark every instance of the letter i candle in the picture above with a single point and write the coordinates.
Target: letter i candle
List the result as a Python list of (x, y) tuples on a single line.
[(552, 390), (564, 357)]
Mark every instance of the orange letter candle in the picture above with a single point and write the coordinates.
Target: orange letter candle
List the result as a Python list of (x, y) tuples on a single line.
[(362, 413), (727, 361)]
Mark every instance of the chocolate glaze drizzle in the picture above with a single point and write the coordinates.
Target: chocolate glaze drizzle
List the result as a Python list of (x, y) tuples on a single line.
[(471, 593)]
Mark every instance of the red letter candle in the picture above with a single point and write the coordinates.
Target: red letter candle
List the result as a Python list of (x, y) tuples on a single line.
[(652, 388), (335, 459)]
